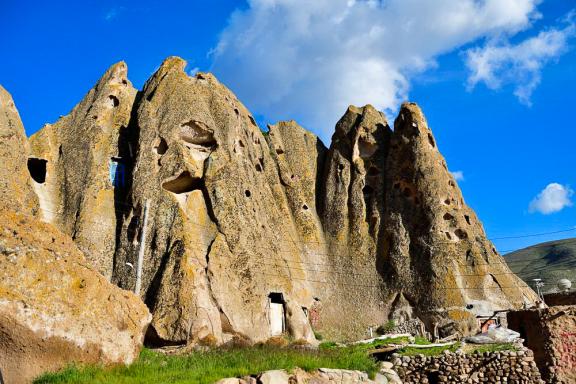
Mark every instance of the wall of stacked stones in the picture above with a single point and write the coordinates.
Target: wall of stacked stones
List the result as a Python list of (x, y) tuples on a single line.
[(551, 334), (413, 327), (513, 367), (560, 298)]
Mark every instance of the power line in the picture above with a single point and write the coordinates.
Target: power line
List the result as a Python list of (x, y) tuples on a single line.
[(571, 229), (534, 234), (346, 245), (330, 243), (355, 274)]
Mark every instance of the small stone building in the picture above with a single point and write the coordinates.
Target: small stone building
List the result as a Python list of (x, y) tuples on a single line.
[(551, 334), (560, 298)]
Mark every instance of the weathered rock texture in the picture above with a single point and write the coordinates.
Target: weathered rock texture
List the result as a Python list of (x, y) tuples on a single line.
[(456, 368), (321, 376), (221, 227), (551, 334), (375, 227), (54, 308), (85, 156), (15, 185), (435, 253)]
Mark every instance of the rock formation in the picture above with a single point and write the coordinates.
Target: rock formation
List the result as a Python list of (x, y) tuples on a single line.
[(15, 185), (250, 234), (84, 157), (55, 308), (431, 233), (220, 223)]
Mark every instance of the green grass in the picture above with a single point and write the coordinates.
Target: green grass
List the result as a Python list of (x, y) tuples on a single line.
[(469, 348), (328, 345), (433, 351), (421, 340), (490, 347), (386, 328), (381, 343), (210, 366)]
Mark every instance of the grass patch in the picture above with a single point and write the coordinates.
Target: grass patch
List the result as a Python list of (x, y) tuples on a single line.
[(382, 343), (468, 348), (210, 366), (421, 340), (471, 348), (433, 351), (328, 345), (386, 328)]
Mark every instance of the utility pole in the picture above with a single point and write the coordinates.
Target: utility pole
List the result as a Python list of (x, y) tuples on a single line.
[(141, 250), (539, 284)]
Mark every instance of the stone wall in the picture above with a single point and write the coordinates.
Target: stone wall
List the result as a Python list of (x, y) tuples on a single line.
[(320, 376), (560, 298), (551, 334), (489, 367), (413, 327)]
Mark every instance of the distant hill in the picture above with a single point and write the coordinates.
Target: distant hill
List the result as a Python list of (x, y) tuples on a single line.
[(550, 261)]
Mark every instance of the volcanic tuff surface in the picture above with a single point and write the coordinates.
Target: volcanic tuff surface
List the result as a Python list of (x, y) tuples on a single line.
[(15, 183), (54, 307), (346, 237)]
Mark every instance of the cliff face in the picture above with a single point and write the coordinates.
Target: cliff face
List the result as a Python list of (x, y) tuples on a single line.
[(55, 308), (84, 155), (219, 221), (15, 183), (242, 224), (433, 235)]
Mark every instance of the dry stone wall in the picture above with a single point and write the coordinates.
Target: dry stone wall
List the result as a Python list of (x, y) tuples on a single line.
[(457, 368), (320, 376), (560, 298), (551, 334)]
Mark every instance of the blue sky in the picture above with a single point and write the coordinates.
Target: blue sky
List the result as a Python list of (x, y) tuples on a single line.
[(495, 78)]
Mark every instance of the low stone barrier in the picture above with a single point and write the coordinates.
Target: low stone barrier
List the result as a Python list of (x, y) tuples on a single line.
[(551, 334), (513, 367), (320, 376)]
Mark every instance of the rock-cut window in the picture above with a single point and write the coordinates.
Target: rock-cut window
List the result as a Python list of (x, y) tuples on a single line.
[(117, 172)]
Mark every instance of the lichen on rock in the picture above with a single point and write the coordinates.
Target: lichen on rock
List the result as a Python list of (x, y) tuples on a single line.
[(242, 224)]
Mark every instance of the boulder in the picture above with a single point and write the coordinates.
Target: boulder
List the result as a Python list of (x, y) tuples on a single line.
[(229, 380), (274, 377), (55, 309)]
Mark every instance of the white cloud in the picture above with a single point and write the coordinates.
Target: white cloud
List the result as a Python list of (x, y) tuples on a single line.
[(113, 13), (553, 198), (499, 62), (458, 175), (310, 59)]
